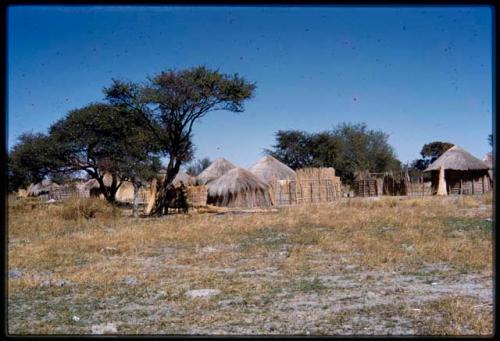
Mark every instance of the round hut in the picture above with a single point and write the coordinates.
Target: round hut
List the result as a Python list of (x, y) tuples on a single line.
[(41, 188), (186, 179), (92, 186), (238, 188), (461, 172), (218, 168), (270, 169), (488, 159)]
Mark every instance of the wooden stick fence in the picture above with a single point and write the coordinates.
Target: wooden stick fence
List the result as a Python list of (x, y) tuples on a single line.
[(305, 191)]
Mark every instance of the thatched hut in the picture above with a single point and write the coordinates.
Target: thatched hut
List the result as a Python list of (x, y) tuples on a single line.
[(186, 179), (92, 185), (461, 172), (488, 159), (218, 168), (70, 189), (197, 195), (238, 188), (367, 184), (270, 169), (41, 188)]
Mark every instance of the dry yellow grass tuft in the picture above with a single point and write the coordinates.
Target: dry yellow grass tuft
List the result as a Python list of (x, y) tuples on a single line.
[(87, 208), (453, 316)]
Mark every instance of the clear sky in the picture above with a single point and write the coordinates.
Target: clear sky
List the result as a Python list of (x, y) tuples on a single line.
[(418, 73)]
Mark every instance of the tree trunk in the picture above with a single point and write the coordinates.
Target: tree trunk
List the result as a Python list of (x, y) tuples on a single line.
[(135, 211), (161, 202), (108, 192)]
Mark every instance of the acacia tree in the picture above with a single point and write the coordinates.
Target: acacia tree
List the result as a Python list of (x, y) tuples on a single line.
[(171, 102), (101, 139), (140, 164)]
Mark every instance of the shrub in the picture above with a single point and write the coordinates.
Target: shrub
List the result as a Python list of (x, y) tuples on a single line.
[(87, 208), (22, 205)]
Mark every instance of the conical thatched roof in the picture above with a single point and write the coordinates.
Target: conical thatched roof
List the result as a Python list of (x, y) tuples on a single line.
[(457, 158), (218, 168), (92, 183), (488, 159), (42, 187), (184, 177), (268, 168), (239, 188)]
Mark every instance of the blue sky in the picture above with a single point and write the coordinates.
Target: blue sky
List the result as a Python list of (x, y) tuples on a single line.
[(420, 74)]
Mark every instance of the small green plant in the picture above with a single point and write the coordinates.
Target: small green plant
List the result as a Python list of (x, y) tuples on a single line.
[(467, 224), (314, 285)]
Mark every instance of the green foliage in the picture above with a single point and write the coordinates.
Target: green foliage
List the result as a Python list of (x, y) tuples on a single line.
[(100, 138), (198, 166), (435, 149), (468, 224), (294, 148), (31, 160), (363, 149), (348, 148), (314, 285), (430, 152), (171, 102)]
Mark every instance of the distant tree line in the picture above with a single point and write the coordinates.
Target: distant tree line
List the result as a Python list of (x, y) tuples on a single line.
[(347, 147)]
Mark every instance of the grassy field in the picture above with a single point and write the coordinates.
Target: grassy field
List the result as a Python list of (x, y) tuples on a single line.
[(365, 266)]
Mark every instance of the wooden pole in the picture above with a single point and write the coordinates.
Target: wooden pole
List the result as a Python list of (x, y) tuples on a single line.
[(472, 185), (319, 189), (461, 191), (296, 198), (482, 182)]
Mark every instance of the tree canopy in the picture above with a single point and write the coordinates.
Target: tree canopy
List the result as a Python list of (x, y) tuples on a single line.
[(31, 160), (171, 102), (430, 152), (347, 147), (103, 139)]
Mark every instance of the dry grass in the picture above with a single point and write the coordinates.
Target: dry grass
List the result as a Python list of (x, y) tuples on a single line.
[(452, 316), (254, 257), (87, 208)]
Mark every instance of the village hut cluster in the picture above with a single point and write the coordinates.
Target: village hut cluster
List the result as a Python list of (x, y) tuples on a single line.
[(269, 183), (456, 171)]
